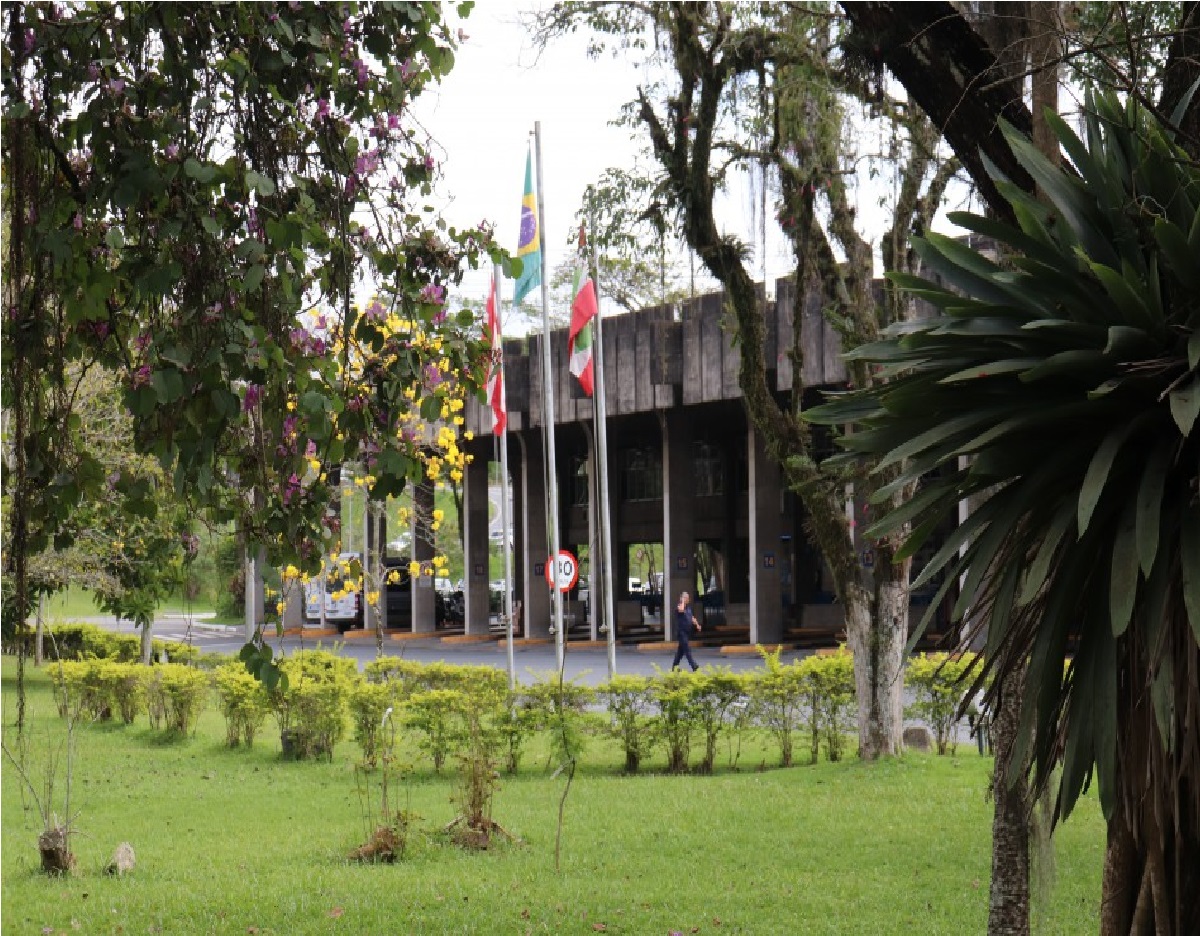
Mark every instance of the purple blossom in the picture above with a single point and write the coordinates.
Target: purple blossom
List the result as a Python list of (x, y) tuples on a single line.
[(393, 121), (360, 69), (375, 312), (310, 450), (273, 18), (322, 108), (253, 395), (347, 24), (30, 40), (429, 162), (116, 86), (433, 376), (407, 70), (142, 341), (172, 150), (141, 376), (433, 292), (77, 221)]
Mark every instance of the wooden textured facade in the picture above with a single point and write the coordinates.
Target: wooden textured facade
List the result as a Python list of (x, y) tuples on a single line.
[(685, 469)]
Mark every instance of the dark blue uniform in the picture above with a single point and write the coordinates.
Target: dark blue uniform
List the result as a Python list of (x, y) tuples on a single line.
[(685, 625)]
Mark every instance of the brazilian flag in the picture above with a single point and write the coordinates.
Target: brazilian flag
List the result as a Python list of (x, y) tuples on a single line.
[(529, 246)]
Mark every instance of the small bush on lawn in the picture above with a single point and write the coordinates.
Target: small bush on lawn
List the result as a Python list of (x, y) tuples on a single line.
[(673, 692), (833, 677), (559, 707), (630, 721), (779, 695), (369, 701), (311, 708), (244, 703), (431, 713), (940, 683), (714, 694), (520, 720), (176, 695)]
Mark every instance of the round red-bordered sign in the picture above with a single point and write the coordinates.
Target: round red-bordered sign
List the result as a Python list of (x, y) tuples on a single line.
[(564, 573)]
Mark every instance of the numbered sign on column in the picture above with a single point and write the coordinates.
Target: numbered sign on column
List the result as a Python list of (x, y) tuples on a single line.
[(564, 573)]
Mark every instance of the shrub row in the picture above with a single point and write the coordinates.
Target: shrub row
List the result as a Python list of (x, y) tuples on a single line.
[(79, 641), (172, 695), (444, 707)]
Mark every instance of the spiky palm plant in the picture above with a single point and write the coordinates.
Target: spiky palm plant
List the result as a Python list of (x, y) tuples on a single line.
[(1058, 389)]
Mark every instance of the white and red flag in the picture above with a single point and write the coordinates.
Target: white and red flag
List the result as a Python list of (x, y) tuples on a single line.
[(495, 380)]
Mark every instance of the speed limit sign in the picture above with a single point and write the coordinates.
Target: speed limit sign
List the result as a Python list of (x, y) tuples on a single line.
[(564, 573)]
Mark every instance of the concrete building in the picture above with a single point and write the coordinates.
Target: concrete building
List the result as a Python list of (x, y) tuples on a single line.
[(686, 474)]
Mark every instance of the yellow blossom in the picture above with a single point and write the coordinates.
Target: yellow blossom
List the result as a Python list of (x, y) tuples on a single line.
[(414, 568)]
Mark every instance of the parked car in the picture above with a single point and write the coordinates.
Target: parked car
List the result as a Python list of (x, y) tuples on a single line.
[(343, 605)]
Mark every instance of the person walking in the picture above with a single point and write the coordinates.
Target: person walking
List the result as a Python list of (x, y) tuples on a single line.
[(685, 625)]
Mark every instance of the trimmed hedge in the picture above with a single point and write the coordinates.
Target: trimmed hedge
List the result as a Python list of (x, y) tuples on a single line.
[(448, 709)]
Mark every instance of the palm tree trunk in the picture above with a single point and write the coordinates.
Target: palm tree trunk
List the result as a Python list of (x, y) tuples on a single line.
[(1008, 911)]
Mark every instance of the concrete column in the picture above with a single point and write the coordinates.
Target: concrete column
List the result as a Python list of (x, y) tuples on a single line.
[(679, 539), (424, 606), (766, 601), (536, 593), (475, 544)]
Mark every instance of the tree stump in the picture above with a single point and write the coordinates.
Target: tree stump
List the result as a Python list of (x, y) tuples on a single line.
[(55, 847)]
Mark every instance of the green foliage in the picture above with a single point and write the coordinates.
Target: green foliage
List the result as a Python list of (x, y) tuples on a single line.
[(519, 720), (779, 695), (832, 679), (178, 242), (176, 695), (1070, 373), (716, 693), (432, 713), (243, 701), (88, 641), (369, 702), (560, 707), (673, 692), (940, 683), (268, 828), (311, 704), (629, 703)]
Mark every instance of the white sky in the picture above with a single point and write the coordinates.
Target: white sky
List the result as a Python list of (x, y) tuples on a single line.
[(483, 116)]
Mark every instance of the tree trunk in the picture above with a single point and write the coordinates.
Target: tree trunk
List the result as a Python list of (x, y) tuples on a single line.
[(876, 631), (39, 637), (1008, 911), (147, 641)]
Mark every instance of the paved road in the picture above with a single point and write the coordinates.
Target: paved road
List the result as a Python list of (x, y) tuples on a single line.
[(589, 666)]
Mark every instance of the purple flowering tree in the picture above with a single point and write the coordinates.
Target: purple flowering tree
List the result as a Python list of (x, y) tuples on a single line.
[(195, 197)]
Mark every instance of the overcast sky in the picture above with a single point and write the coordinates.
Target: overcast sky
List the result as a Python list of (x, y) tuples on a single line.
[(483, 115)]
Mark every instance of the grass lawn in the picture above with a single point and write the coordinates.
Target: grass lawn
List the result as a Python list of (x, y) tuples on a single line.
[(238, 841)]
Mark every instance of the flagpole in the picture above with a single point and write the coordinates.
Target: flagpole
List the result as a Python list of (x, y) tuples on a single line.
[(504, 519), (601, 417), (548, 410)]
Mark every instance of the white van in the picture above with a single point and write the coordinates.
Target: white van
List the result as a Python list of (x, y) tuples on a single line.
[(344, 611)]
